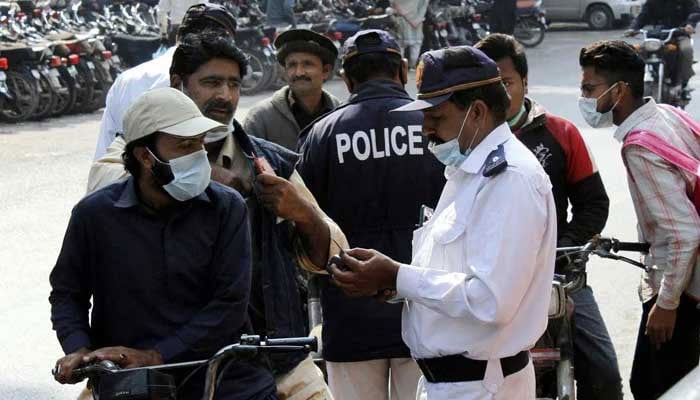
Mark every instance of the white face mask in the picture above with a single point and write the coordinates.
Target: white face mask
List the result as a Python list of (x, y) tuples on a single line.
[(218, 134), (589, 111), (449, 152), (192, 174)]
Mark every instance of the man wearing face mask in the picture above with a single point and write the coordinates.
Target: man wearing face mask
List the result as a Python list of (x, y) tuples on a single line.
[(560, 149), (308, 59), (371, 172), (612, 89), (289, 230), (477, 290), (164, 258)]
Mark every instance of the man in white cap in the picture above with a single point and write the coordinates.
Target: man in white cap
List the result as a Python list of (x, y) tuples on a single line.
[(164, 255)]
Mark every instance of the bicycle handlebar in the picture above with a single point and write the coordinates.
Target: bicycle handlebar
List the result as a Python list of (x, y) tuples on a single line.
[(631, 246), (249, 346), (602, 247)]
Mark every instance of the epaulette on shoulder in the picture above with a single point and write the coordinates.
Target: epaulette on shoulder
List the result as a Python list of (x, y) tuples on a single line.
[(495, 162)]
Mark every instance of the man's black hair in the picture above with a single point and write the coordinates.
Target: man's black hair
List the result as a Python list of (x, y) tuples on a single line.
[(494, 95), (131, 164), (499, 46), (196, 50), (364, 67), (616, 61), (203, 17)]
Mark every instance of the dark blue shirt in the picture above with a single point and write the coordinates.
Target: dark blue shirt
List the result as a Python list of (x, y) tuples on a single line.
[(177, 281)]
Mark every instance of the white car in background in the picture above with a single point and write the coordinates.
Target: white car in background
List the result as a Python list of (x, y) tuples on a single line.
[(599, 14)]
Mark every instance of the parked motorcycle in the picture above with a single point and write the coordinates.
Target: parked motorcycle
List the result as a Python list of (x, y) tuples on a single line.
[(530, 23), (64, 60)]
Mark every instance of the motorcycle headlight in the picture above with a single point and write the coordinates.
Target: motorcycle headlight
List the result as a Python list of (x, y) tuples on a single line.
[(652, 45)]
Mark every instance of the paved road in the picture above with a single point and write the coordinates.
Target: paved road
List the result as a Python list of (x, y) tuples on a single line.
[(43, 172)]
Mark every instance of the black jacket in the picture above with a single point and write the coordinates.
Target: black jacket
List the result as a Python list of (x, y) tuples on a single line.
[(276, 303), (370, 171), (668, 13), (559, 147)]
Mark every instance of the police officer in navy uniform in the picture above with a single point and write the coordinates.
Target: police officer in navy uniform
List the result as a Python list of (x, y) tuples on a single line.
[(370, 171)]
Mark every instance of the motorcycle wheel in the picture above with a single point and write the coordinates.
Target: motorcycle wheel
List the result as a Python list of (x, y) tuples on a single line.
[(529, 32), (65, 98), (565, 380), (25, 100), (258, 76), (47, 99), (84, 95), (99, 94)]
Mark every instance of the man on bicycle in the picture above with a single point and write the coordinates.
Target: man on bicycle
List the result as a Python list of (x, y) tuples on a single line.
[(289, 230), (164, 257)]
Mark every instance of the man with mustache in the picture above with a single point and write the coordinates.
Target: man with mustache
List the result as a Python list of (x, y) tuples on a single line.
[(289, 230), (308, 59)]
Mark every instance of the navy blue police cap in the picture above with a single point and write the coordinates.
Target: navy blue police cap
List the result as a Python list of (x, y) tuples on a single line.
[(370, 41), (442, 72)]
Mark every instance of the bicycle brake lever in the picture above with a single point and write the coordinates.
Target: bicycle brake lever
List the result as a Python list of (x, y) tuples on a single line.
[(633, 262), (606, 254)]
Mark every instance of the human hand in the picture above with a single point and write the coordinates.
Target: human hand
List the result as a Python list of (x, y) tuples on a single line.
[(281, 197), (660, 325), (125, 357), (689, 29), (63, 371), (369, 272)]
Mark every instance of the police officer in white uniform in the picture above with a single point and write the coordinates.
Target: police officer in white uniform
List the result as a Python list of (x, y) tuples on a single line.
[(477, 290)]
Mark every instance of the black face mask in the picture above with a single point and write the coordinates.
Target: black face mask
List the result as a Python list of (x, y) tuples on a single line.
[(161, 170)]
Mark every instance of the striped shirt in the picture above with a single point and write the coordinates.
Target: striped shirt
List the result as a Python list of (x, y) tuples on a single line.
[(667, 218)]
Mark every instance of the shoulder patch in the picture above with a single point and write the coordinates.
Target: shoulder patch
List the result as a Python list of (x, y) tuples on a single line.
[(495, 162)]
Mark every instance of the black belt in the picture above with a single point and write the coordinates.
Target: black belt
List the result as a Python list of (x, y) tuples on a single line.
[(457, 368)]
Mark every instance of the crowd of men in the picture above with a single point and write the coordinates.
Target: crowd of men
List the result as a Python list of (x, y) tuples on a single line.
[(197, 228)]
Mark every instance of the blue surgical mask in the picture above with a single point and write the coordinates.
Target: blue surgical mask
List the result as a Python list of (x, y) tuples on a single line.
[(449, 153), (191, 175)]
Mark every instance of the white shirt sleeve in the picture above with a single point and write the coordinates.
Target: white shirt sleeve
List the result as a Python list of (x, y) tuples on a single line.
[(501, 258), (110, 126)]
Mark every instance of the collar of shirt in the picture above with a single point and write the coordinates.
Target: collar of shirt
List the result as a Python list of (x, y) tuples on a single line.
[(129, 198), (648, 110), (477, 158), (297, 106), (230, 151), (375, 88)]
